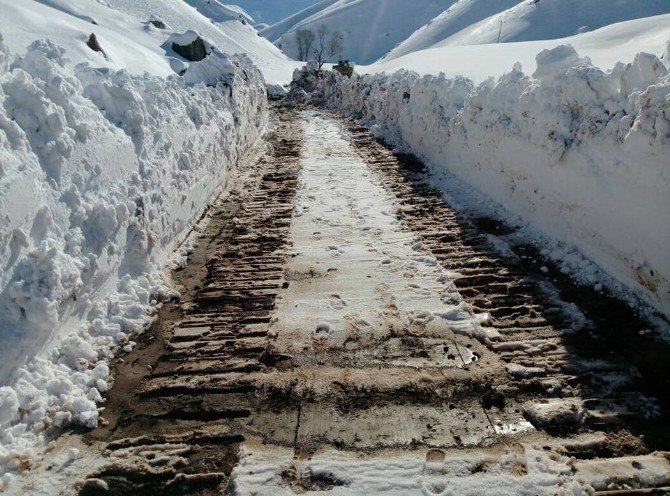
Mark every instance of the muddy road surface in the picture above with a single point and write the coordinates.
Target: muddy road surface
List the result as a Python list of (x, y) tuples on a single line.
[(343, 330)]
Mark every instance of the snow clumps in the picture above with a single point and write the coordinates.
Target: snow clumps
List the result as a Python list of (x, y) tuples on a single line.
[(102, 174), (579, 153)]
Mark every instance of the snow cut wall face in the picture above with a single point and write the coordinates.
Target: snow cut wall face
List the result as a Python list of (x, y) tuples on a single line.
[(102, 174), (579, 153)]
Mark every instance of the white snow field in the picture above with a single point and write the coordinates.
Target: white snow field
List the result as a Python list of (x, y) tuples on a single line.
[(550, 19), (105, 166), (408, 473), (459, 16), (371, 27), (388, 29), (579, 153), (129, 40), (605, 47)]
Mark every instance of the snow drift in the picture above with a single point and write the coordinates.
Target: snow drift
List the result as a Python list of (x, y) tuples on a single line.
[(579, 153), (102, 174)]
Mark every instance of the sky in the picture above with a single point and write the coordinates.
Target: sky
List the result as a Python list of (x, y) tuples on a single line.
[(271, 11)]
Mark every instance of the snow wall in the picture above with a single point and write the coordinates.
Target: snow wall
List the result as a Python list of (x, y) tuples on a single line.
[(102, 175), (581, 154)]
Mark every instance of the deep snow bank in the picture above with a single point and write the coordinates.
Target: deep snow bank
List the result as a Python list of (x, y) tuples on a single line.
[(101, 174), (579, 153)]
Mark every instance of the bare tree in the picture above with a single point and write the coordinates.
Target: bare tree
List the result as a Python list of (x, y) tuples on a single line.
[(336, 45), (304, 39), (321, 45)]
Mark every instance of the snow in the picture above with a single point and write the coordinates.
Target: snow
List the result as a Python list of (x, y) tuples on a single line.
[(356, 279), (552, 19), (183, 39), (125, 40), (360, 270), (411, 472), (371, 27), (218, 12), (605, 47), (229, 36), (579, 153), (272, 11), (390, 29), (107, 159), (278, 29), (459, 16), (129, 40), (103, 174)]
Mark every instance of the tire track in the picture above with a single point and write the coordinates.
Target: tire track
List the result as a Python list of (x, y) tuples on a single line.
[(230, 374)]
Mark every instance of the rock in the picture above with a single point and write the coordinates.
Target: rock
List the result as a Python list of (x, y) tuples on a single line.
[(193, 51), (94, 44), (276, 91), (158, 24), (73, 454), (93, 486)]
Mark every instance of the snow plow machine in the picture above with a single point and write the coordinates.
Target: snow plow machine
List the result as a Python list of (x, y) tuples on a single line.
[(344, 67)]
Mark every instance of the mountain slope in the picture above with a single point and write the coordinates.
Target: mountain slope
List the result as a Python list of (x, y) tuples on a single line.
[(605, 47), (550, 19), (277, 30), (230, 36), (272, 11), (371, 27), (459, 16), (218, 12), (128, 40)]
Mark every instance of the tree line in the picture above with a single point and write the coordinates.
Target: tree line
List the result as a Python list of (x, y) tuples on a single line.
[(319, 44)]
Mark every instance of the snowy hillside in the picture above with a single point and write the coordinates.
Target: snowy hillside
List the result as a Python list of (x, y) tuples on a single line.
[(459, 16), (219, 13), (272, 11), (129, 41), (550, 19), (390, 29), (230, 36), (278, 29), (371, 27), (605, 47)]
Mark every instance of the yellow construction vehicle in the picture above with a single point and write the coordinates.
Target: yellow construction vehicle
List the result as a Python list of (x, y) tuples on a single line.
[(344, 67)]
